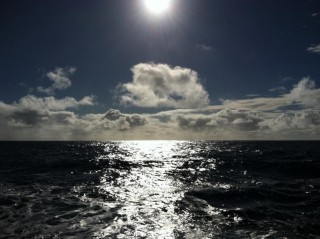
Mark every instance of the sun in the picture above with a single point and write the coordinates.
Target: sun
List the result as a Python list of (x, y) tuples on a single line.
[(157, 6)]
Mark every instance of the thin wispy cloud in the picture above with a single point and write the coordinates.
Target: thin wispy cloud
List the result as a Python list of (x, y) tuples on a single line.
[(304, 93), (314, 49), (252, 95), (279, 89), (204, 47)]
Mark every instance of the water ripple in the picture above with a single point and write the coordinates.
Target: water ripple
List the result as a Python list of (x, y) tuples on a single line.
[(159, 189)]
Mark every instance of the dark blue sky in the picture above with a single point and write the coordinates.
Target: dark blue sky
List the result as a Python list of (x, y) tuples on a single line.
[(253, 45)]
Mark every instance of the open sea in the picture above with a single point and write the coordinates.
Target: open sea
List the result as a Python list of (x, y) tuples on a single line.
[(160, 189)]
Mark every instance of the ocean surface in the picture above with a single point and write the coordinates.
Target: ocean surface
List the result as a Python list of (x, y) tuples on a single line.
[(160, 189)]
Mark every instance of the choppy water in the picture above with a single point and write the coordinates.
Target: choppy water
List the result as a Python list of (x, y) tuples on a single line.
[(160, 189)]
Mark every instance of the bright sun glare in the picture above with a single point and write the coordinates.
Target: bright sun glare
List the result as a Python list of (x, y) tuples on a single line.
[(157, 6)]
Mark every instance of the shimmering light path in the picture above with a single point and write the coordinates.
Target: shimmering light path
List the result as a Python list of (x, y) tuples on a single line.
[(148, 193), (159, 189)]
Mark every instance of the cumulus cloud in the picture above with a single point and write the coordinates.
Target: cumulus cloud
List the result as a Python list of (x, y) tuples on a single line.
[(31, 110), (244, 119), (195, 122), (116, 119), (314, 49), (113, 115), (34, 117), (241, 119), (160, 85), (30, 124), (246, 124), (300, 120), (27, 117), (49, 118), (60, 80), (257, 118), (51, 103), (305, 93)]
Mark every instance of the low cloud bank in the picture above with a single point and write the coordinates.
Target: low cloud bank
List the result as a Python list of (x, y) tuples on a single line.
[(292, 115)]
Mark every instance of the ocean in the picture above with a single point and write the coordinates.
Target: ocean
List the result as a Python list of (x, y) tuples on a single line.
[(160, 189)]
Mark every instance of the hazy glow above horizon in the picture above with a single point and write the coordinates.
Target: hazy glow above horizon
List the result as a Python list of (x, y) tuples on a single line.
[(157, 6)]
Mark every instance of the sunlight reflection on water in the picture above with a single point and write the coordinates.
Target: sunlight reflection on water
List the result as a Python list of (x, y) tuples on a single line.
[(159, 189), (146, 193), (150, 187)]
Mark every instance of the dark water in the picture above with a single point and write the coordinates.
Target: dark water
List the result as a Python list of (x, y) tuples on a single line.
[(160, 189)]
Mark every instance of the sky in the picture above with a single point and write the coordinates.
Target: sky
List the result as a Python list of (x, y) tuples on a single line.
[(199, 70)]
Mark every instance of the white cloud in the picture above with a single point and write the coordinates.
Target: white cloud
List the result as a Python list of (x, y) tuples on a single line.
[(247, 124), (6, 108), (305, 93), (260, 103), (159, 85), (51, 103), (226, 119), (26, 118), (113, 115), (31, 111), (49, 118), (60, 79), (30, 124), (301, 120), (314, 48), (116, 119)]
